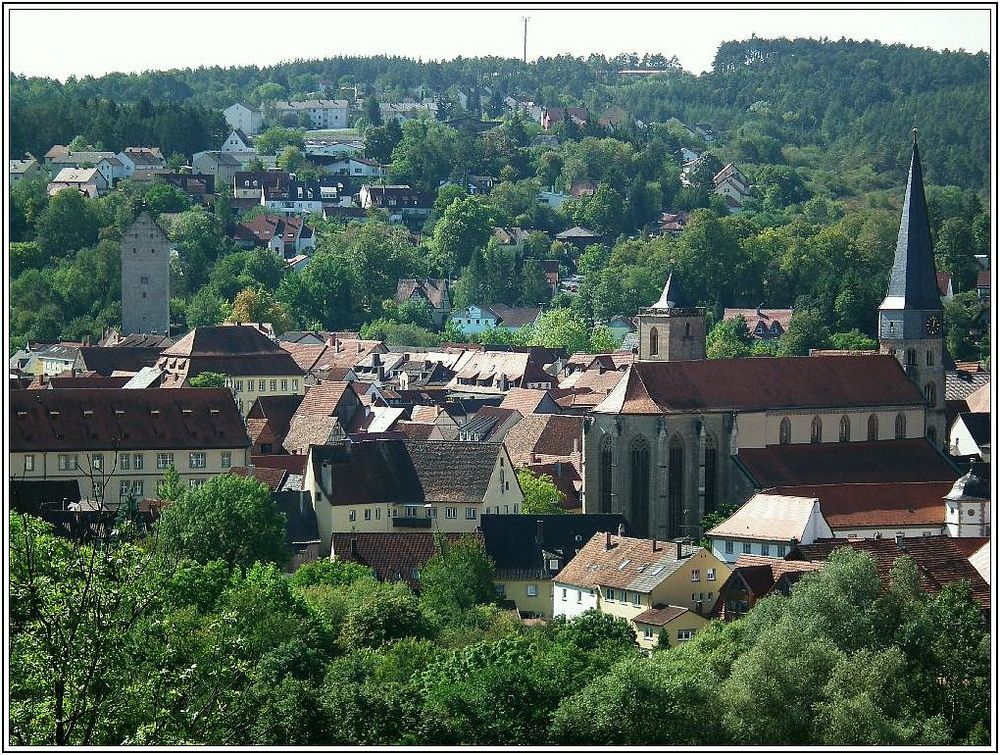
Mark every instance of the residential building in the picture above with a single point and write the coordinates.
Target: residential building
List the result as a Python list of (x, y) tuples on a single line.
[(325, 415), (673, 222), (762, 324), (60, 157), (322, 114), (407, 111), (333, 147), (768, 525), (238, 141), (627, 576), (434, 291), (496, 372), (285, 236), (119, 444), (553, 115), (755, 577), (529, 549), (382, 485), (580, 237), (253, 364), (87, 181), (392, 556), (476, 318), (141, 159), (970, 435), (20, 169), (247, 185), (301, 197), (243, 118), (355, 166), (398, 200), (145, 261)]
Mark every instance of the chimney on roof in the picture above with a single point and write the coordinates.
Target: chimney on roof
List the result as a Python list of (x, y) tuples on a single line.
[(654, 545), (621, 530), (607, 544), (678, 554), (539, 532), (359, 347)]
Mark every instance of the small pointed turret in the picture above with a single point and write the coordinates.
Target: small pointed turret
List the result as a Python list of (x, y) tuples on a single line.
[(913, 279), (672, 295)]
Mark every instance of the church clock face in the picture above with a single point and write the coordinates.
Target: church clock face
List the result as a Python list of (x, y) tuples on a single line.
[(933, 325)]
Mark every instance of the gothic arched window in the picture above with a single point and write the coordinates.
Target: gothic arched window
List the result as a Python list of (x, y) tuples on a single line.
[(785, 432), (816, 431), (675, 487), (607, 473), (687, 330), (845, 429), (930, 393), (932, 434), (711, 474), (872, 427), (930, 358), (911, 357), (654, 342), (640, 486), (900, 426)]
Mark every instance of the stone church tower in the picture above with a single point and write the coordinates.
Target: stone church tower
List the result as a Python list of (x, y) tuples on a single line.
[(910, 323), (673, 329), (145, 278)]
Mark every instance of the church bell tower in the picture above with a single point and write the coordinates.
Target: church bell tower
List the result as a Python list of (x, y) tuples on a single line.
[(910, 322), (673, 329)]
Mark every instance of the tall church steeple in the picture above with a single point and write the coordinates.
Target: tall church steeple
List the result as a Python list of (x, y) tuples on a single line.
[(910, 318), (673, 329)]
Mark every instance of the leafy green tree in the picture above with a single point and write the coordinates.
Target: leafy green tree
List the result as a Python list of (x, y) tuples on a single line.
[(372, 112), (728, 339), (953, 252), (446, 194), (230, 517), (274, 139), (853, 340), (561, 328), (603, 212), (205, 308), (331, 572), (66, 224), (961, 314), (164, 197), (24, 255), (464, 228), (541, 496), (259, 305), (290, 159), (457, 577), (28, 199), (382, 613), (806, 331), (208, 380)]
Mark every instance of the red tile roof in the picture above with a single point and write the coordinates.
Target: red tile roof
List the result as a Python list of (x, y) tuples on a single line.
[(877, 504), (766, 383), (910, 460), (230, 349), (273, 478), (95, 419), (659, 617), (939, 561), (394, 556), (291, 464)]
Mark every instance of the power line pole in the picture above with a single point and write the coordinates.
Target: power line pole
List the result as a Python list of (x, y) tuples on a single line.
[(525, 19)]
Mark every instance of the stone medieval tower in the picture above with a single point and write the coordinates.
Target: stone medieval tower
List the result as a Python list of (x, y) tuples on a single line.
[(145, 278), (672, 330), (910, 325)]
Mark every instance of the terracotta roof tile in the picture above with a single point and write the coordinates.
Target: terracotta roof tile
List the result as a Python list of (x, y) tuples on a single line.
[(877, 504), (630, 564), (659, 617), (273, 478), (393, 556)]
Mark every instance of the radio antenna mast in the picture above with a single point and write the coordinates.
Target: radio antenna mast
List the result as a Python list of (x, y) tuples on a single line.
[(525, 19)]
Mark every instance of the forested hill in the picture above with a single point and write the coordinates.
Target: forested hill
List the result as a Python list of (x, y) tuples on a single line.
[(833, 103)]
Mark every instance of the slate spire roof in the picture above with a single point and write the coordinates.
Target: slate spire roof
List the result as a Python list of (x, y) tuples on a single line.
[(913, 279), (672, 295)]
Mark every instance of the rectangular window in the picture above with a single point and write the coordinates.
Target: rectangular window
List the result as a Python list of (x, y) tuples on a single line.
[(610, 595), (647, 633), (564, 593), (274, 386), (123, 489), (729, 546), (470, 512), (97, 461), (295, 384), (450, 512), (636, 599), (368, 515), (239, 386), (352, 515), (196, 460), (579, 596), (137, 488), (532, 591), (98, 490), (137, 461), (124, 461), (378, 513), (144, 280), (164, 461), (67, 462), (29, 462), (683, 635), (284, 384), (746, 547), (261, 386), (765, 549), (195, 483), (227, 459), (696, 575), (710, 575)]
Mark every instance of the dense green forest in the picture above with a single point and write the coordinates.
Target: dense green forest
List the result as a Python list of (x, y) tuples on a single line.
[(190, 634), (821, 129)]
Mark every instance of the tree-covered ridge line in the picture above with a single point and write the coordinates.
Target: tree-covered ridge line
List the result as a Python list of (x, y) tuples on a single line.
[(793, 91)]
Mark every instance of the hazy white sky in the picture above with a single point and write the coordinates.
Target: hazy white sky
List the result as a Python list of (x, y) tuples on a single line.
[(80, 41)]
